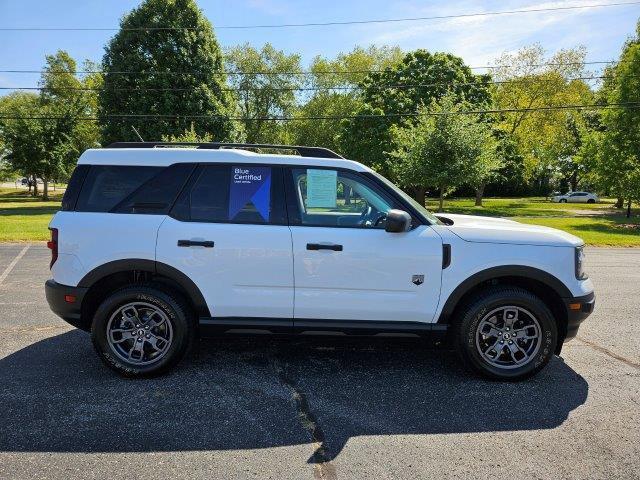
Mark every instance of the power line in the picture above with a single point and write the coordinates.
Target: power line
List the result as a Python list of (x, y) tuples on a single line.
[(333, 23), (145, 116), (293, 89), (300, 72)]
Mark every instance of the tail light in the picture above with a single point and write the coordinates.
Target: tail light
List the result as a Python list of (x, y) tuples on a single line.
[(53, 246)]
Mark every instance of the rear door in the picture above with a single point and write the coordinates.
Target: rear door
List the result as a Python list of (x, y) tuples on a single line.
[(228, 233), (347, 267)]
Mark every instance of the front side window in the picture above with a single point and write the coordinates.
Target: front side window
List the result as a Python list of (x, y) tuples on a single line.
[(334, 198), (232, 194)]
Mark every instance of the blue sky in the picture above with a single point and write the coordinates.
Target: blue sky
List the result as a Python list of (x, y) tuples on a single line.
[(477, 40)]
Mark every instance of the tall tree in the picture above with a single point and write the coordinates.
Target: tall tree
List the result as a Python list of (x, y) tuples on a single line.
[(419, 79), (22, 136), (530, 82), (165, 61), (67, 99), (487, 164), (442, 149), (46, 132), (336, 94), (618, 157), (265, 81)]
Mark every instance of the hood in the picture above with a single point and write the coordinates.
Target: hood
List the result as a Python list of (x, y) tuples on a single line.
[(473, 228)]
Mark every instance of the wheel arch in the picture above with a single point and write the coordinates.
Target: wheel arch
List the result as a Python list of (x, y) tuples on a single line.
[(543, 284), (110, 276)]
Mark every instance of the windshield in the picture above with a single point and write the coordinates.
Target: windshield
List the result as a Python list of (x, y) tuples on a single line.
[(420, 208)]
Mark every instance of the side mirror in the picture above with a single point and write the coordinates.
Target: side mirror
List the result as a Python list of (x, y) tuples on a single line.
[(397, 221)]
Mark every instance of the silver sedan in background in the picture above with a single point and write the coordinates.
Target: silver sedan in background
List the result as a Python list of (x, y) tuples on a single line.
[(576, 197)]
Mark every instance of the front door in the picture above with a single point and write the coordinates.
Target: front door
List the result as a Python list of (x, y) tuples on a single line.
[(228, 233), (346, 266)]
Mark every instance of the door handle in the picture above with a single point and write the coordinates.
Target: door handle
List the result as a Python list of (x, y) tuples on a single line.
[(196, 243), (324, 246)]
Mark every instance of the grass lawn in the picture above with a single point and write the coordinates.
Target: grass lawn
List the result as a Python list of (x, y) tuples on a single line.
[(24, 218)]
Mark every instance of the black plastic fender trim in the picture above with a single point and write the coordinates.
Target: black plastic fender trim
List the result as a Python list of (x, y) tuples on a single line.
[(495, 273), (151, 266)]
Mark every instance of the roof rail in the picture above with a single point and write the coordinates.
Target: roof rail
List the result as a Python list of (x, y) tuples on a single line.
[(318, 152)]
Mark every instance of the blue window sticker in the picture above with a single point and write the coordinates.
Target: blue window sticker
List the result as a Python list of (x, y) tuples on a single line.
[(250, 185)]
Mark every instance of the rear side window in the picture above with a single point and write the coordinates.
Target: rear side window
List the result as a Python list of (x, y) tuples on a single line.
[(233, 194), (105, 186)]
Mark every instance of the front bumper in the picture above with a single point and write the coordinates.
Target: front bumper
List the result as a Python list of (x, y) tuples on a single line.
[(578, 308), (66, 302)]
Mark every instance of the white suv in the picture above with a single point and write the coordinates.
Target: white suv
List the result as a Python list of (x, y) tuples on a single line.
[(154, 246)]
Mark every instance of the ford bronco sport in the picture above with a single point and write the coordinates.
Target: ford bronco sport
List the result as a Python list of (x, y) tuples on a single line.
[(155, 245)]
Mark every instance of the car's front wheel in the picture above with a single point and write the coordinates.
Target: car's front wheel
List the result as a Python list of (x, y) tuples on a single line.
[(141, 331), (506, 333), (563, 200)]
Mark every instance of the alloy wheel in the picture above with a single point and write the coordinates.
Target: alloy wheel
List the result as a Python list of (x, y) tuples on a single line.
[(508, 337), (139, 333)]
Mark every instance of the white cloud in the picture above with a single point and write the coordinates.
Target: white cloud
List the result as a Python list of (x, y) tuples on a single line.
[(479, 40)]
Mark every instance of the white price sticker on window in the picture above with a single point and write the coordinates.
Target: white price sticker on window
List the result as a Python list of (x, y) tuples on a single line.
[(322, 188)]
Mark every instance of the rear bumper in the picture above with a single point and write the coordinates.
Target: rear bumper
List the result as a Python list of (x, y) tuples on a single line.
[(60, 302), (578, 309)]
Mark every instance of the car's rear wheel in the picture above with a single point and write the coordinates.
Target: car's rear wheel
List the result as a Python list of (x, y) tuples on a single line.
[(591, 200), (142, 331), (506, 333)]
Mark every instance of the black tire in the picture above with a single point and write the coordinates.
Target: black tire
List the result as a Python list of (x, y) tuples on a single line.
[(485, 303), (563, 200), (591, 200), (176, 312)]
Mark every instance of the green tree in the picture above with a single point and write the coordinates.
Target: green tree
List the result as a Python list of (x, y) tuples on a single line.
[(403, 88), (442, 150), (190, 136), (336, 93), (610, 145), (46, 132), (23, 137), (487, 164), (619, 164), (528, 81), (67, 99), (177, 73), (268, 92)]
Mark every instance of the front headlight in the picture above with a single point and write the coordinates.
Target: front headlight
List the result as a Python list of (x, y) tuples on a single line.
[(580, 273)]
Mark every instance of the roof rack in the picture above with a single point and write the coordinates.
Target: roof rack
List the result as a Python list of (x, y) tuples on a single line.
[(318, 152)]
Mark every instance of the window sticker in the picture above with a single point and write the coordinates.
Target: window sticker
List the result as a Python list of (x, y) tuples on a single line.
[(322, 188), (250, 185)]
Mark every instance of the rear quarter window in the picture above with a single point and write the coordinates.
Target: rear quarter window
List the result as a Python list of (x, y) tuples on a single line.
[(105, 186), (73, 187), (156, 196)]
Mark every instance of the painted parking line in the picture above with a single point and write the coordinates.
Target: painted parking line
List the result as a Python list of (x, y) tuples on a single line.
[(13, 263)]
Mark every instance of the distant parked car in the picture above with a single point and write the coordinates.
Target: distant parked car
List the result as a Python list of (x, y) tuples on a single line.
[(576, 197), (24, 181)]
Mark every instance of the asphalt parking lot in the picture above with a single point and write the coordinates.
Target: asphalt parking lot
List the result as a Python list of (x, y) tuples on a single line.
[(258, 408)]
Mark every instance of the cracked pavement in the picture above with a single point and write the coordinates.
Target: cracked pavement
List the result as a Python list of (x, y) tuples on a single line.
[(316, 408)]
